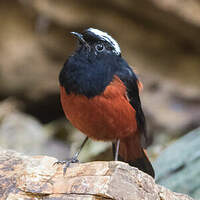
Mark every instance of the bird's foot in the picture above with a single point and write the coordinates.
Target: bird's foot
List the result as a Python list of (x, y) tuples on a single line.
[(66, 163)]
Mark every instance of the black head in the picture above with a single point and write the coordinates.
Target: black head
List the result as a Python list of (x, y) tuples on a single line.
[(97, 42)]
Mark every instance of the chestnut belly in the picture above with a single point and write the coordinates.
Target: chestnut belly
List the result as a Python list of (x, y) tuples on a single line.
[(105, 117)]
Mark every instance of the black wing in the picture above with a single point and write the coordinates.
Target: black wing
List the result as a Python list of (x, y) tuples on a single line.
[(129, 78)]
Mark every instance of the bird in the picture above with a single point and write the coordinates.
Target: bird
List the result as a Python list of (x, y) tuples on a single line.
[(99, 94)]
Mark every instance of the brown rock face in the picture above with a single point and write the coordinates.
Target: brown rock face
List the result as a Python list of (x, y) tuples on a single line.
[(24, 177)]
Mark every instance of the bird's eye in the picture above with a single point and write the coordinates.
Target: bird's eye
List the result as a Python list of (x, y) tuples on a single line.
[(99, 47)]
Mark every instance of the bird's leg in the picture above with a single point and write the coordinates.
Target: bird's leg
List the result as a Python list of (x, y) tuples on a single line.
[(117, 149), (74, 158)]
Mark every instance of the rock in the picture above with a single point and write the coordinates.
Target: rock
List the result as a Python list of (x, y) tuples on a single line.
[(175, 104), (28, 135), (185, 10), (25, 177), (178, 166), (24, 133)]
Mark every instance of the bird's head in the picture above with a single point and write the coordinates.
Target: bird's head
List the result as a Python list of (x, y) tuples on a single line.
[(97, 42)]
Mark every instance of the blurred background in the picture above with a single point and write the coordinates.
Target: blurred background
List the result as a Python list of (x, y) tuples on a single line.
[(159, 39)]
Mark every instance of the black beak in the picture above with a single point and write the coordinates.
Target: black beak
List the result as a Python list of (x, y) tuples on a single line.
[(80, 38)]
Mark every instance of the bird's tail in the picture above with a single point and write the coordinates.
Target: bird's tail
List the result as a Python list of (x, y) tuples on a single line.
[(131, 152)]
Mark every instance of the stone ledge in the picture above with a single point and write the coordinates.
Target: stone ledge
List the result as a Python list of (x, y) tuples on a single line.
[(35, 177)]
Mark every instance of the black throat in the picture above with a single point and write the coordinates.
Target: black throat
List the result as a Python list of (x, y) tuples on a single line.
[(87, 73)]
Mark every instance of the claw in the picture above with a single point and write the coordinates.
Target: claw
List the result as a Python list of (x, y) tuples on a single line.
[(59, 162), (66, 163), (74, 159)]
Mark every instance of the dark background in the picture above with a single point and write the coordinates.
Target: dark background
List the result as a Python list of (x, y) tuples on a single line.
[(159, 39)]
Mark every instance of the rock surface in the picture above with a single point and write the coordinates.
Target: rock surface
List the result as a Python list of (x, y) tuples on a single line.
[(178, 166), (24, 177), (24, 133)]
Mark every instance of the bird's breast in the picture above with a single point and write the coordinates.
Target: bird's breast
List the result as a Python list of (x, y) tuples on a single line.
[(107, 116)]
